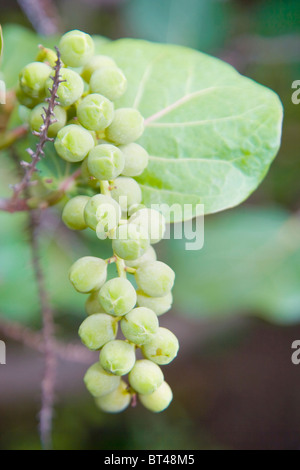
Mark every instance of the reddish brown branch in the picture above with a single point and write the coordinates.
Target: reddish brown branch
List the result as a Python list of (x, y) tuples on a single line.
[(48, 119), (34, 340), (48, 383), (10, 137), (43, 15), (26, 204)]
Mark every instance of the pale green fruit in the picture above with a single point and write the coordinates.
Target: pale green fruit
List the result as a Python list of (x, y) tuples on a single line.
[(126, 191), (32, 79), (107, 220), (117, 357), (47, 56), (36, 120), (95, 63), (97, 330), (117, 296), (126, 127), (162, 348), (73, 213), (145, 377), (105, 162), (96, 209), (155, 278), (159, 305), (95, 112), (116, 401), (152, 221), (27, 100), (24, 113), (73, 143), (88, 274), (134, 208), (69, 90), (99, 382), (76, 48), (139, 325), (130, 241), (109, 81), (149, 255), (92, 304), (136, 159), (87, 177), (159, 400)]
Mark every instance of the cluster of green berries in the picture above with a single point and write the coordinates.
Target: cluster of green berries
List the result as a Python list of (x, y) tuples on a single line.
[(122, 321)]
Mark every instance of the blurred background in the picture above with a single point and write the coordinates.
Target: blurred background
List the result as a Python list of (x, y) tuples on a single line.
[(237, 301)]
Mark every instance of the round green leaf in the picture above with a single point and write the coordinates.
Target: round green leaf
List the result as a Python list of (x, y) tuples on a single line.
[(211, 133)]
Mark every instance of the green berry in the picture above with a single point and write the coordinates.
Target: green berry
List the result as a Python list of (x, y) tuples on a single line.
[(95, 63), (73, 143), (88, 274), (134, 208), (27, 100), (109, 81), (116, 401), (126, 191), (117, 296), (33, 77), (145, 377), (107, 221), (162, 348), (155, 278), (95, 112), (97, 330), (36, 120), (86, 175), (73, 213), (76, 48), (139, 325), (130, 241), (70, 90), (99, 382), (136, 159), (159, 305), (158, 400), (153, 221), (47, 56), (126, 127), (24, 113), (105, 162), (149, 255), (102, 209), (117, 357), (92, 304)]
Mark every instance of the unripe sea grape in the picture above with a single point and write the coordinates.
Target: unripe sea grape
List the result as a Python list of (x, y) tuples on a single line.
[(76, 48), (100, 382), (155, 278), (158, 400), (117, 357), (88, 274), (116, 401), (73, 213), (117, 296)]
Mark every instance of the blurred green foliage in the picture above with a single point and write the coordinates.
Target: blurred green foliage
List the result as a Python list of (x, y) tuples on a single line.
[(190, 23), (250, 262)]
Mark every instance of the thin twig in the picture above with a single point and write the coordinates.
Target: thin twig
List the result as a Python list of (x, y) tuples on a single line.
[(48, 383), (26, 204), (9, 138), (43, 16), (48, 119), (71, 352)]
